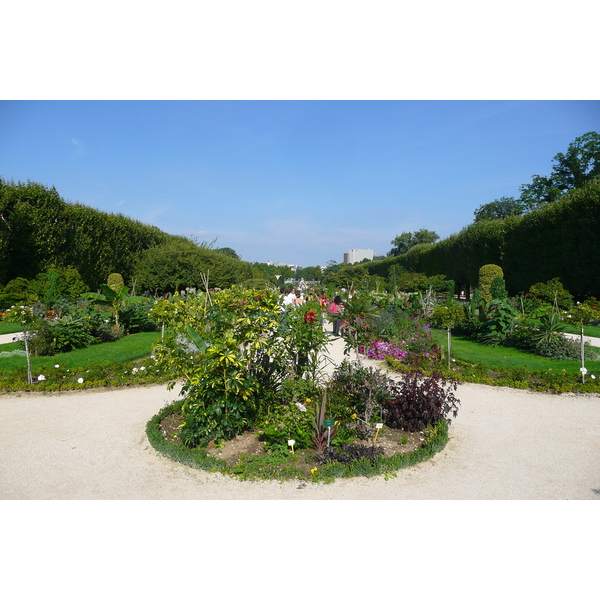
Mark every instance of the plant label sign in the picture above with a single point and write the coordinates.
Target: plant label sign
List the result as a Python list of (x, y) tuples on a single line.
[(329, 422)]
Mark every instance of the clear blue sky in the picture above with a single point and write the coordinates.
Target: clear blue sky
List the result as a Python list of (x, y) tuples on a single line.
[(299, 182)]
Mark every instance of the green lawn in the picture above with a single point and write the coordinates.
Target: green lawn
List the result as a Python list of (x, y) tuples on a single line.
[(467, 350), (591, 330), (131, 347), (7, 327)]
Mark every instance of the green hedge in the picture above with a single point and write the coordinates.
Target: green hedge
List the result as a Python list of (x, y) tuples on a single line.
[(560, 240)]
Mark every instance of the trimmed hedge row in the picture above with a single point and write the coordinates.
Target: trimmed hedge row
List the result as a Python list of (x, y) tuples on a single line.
[(560, 240)]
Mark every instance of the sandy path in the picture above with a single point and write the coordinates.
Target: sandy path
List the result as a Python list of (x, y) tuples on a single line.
[(506, 444)]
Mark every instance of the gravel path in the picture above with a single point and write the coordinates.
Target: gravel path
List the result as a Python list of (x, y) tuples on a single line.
[(506, 444)]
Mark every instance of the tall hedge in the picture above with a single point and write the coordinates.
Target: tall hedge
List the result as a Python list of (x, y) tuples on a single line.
[(560, 240), (39, 230)]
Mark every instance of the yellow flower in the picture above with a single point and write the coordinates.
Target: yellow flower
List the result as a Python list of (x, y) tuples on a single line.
[(307, 400), (313, 471), (354, 415)]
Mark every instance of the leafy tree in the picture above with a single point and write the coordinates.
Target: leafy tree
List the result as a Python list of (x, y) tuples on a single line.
[(500, 209), (228, 252), (309, 273), (405, 241), (578, 165), (180, 263)]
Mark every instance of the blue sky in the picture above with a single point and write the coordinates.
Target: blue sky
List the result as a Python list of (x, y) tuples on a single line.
[(299, 182)]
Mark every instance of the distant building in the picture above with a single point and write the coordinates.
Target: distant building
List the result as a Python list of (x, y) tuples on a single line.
[(355, 256)]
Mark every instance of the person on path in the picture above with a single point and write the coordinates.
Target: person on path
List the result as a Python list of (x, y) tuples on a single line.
[(335, 310)]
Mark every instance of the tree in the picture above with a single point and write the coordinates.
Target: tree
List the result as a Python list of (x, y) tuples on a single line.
[(406, 240), (578, 165), (507, 206), (228, 252)]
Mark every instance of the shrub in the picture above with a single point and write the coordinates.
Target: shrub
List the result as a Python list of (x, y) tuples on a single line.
[(220, 396), (61, 335), (136, 318), (288, 421), (418, 400), (552, 292), (498, 289), (359, 390), (487, 274)]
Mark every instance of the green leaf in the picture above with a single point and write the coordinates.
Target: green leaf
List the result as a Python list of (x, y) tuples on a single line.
[(200, 343)]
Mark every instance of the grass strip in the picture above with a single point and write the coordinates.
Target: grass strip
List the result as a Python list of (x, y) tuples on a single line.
[(469, 351)]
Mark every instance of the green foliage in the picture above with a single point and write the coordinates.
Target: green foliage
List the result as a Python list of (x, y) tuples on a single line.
[(448, 316), (405, 241), (498, 289), (349, 453), (582, 314), (286, 422), (219, 396), (179, 263), (356, 390), (60, 335), (500, 209), (572, 170), (553, 293), (303, 340), (115, 282), (487, 274), (322, 435), (117, 300)]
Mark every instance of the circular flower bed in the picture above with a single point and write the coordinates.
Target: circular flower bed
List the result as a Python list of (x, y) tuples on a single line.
[(247, 457)]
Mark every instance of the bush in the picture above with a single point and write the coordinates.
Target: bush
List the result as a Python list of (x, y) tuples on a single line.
[(288, 422), (363, 391), (498, 288), (62, 335), (136, 318), (487, 274), (552, 292), (419, 400)]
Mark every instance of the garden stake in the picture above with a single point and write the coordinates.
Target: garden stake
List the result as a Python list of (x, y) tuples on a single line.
[(378, 426)]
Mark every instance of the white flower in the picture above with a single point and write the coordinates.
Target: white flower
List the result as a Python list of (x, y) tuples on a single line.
[(80, 380), (41, 378), (56, 366), (301, 407), (583, 370), (134, 370), (142, 368), (593, 376)]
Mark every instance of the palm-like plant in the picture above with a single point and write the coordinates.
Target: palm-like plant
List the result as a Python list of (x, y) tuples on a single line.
[(117, 299)]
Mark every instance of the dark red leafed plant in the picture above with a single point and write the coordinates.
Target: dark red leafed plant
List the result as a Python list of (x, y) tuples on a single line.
[(418, 401)]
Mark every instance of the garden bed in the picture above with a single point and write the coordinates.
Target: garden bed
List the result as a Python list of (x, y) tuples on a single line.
[(248, 457)]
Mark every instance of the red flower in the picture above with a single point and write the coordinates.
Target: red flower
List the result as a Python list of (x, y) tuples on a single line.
[(309, 317)]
